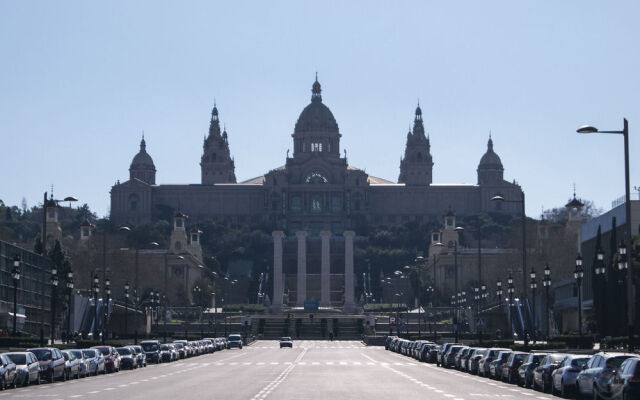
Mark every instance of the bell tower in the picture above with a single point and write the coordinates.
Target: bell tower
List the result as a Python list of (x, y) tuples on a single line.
[(216, 163), (416, 167)]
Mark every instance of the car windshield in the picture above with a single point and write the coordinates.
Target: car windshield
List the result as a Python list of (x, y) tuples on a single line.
[(554, 358), (136, 349), (88, 353), (286, 339), (520, 357), (504, 356), (149, 346), (579, 362), (123, 351), (164, 347), (234, 337), (103, 350), (42, 355), (179, 345), (537, 358), (76, 353), (480, 352), (18, 359), (66, 356), (616, 362)]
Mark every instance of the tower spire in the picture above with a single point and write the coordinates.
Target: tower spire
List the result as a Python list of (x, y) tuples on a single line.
[(315, 91)]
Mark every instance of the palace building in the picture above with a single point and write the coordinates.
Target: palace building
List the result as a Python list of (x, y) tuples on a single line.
[(316, 202)]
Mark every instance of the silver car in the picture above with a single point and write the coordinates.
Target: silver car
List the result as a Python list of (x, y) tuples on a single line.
[(96, 361), (563, 379), (28, 367), (83, 362)]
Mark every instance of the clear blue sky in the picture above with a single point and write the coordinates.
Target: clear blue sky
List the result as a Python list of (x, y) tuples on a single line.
[(80, 81)]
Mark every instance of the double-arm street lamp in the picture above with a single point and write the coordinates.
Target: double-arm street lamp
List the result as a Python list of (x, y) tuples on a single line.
[(510, 292), (54, 285), (546, 282), (70, 303), (628, 240), (623, 265), (534, 285), (96, 291), (601, 279), (105, 325), (578, 274), (126, 307), (15, 275)]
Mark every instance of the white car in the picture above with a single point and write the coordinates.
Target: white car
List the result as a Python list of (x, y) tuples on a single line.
[(286, 342)]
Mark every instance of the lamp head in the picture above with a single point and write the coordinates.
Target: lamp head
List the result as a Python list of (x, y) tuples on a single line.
[(587, 129), (497, 198)]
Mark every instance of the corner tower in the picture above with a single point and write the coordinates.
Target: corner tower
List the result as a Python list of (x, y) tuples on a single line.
[(416, 167), (216, 163), (316, 132)]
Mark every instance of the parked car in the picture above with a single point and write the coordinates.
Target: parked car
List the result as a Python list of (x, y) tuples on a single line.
[(142, 358), (485, 362), (8, 373), (235, 340), (52, 363), (563, 379), (598, 374), (626, 382), (111, 357), (443, 350), (165, 353), (151, 349), (429, 353), (72, 364), (450, 356), (128, 358), (542, 373), (27, 367), (388, 341), (286, 342), (510, 367), (474, 360), (82, 362), (182, 352), (461, 356), (96, 361), (495, 367), (525, 371)]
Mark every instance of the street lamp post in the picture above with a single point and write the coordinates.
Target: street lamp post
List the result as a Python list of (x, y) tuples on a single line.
[(499, 294), (430, 292), (107, 292), (628, 239), (547, 284), (601, 277), (578, 274), (510, 292), (157, 311), (534, 285), (15, 275), (126, 307), (524, 238), (54, 285), (623, 265), (96, 291), (70, 303), (476, 297)]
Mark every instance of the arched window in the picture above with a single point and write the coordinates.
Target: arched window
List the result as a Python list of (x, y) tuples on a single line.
[(316, 178)]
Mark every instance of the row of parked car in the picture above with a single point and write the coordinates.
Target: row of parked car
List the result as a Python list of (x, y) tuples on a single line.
[(604, 375), (47, 364)]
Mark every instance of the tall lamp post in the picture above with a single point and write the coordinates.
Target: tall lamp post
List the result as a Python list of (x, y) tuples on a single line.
[(600, 271), (534, 285), (510, 292), (70, 303), (126, 307), (54, 285), (578, 274), (623, 265), (546, 282), (630, 292), (157, 310), (499, 294), (15, 275), (135, 314), (107, 292), (524, 238), (96, 291), (477, 297)]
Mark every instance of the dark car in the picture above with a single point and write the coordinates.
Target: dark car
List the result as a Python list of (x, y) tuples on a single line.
[(542, 373), (142, 358), (165, 352), (485, 363), (450, 356), (525, 371), (626, 382), (151, 349), (442, 351), (111, 357), (429, 353), (27, 366), (510, 367), (128, 357), (495, 367), (72, 365), (595, 379), (286, 342), (8, 373), (235, 340), (52, 363)]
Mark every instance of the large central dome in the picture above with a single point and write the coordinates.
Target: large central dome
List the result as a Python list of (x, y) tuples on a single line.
[(316, 117)]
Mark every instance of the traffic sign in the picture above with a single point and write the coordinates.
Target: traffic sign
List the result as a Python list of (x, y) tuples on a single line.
[(481, 322)]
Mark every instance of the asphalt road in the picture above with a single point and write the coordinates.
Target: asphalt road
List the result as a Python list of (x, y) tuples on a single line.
[(311, 370)]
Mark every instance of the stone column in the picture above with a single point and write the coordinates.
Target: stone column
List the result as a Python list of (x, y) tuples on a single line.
[(325, 270), (278, 286), (301, 290), (349, 304)]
